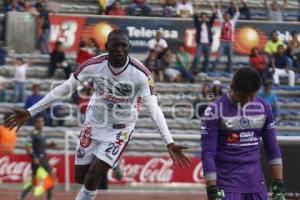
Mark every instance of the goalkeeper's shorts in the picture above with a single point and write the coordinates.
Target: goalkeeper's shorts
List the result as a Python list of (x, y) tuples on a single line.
[(246, 196)]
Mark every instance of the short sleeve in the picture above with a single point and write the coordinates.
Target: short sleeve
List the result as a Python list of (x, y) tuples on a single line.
[(164, 44), (151, 44)]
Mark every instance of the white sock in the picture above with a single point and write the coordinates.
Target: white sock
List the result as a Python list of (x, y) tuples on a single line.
[(85, 194)]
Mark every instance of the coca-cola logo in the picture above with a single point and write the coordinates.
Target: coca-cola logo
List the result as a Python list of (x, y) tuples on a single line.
[(18, 170), (198, 173), (156, 170)]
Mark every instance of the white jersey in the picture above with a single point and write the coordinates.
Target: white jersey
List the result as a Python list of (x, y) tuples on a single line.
[(114, 102)]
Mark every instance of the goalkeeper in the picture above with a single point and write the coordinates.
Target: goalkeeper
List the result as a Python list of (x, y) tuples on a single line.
[(231, 130)]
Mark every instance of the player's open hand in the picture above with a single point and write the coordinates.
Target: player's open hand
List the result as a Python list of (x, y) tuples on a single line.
[(177, 155), (17, 119)]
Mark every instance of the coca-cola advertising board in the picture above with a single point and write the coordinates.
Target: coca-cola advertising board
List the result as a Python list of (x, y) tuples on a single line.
[(137, 169)]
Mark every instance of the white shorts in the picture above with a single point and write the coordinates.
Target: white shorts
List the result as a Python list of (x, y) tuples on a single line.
[(108, 150)]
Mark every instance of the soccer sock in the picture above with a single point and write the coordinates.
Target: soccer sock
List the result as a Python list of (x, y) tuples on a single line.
[(85, 194)]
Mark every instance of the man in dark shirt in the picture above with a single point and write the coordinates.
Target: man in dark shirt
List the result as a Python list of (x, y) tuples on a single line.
[(280, 67), (204, 39), (57, 60), (36, 149), (43, 27)]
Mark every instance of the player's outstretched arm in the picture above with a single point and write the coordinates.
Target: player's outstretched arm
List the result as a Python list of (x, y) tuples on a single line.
[(175, 151), (22, 116)]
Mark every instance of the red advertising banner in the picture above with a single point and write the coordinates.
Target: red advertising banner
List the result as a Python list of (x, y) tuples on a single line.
[(17, 167), (248, 34), (66, 29), (137, 169)]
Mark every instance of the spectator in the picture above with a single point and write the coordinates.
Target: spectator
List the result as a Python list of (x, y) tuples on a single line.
[(43, 29), (36, 97), (3, 92), (88, 49), (275, 11), (33, 99), (142, 4), (293, 50), (153, 64), (27, 6), (117, 9), (184, 63), (204, 39), (272, 44), (105, 6), (184, 9), (158, 44), (205, 91), (269, 96), (216, 89), (298, 10), (58, 60), (200, 102), (19, 80), (244, 10), (280, 67), (14, 6), (227, 36), (2, 56), (258, 61), (168, 7), (167, 63)]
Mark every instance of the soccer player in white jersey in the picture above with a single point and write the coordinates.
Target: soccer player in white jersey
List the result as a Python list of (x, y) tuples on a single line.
[(111, 114)]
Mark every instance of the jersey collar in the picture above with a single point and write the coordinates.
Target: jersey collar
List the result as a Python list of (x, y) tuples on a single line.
[(117, 71)]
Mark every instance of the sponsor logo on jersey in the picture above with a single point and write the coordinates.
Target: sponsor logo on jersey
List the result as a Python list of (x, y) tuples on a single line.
[(271, 125), (244, 122), (232, 138), (80, 152), (247, 138), (151, 81), (85, 136)]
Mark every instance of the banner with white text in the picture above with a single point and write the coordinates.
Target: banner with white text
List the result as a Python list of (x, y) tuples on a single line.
[(137, 169), (71, 29)]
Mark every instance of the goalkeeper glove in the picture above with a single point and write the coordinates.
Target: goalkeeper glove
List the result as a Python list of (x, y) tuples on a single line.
[(214, 193), (277, 190)]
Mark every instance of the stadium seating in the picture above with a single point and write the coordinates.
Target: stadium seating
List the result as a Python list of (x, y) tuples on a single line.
[(169, 94), (256, 7)]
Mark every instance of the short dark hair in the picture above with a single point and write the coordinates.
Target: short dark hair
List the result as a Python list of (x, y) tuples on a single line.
[(294, 32), (273, 33), (280, 46), (246, 80), (58, 44), (20, 59), (203, 13), (117, 32), (38, 116)]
